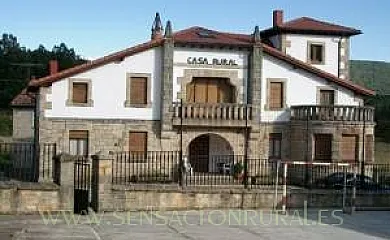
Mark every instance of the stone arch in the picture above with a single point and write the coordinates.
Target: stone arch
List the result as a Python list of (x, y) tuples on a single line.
[(209, 152)]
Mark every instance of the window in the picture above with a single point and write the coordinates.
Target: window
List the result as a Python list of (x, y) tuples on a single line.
[(326, 97), (275, 146), (138, 90), (323, 147), (138, 146), (80, 92), (316, 53), (78, 142), (276, 96), (209, 90), (349, 147)]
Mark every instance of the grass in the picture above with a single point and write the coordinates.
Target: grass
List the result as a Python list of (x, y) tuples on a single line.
[(5, 123)]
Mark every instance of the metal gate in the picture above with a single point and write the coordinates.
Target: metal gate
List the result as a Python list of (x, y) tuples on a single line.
[(82, 185)]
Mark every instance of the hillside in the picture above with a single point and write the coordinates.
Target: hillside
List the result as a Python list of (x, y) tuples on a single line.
[(372, 74)]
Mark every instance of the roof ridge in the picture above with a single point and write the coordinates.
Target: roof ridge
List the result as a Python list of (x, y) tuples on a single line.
[(318, 21)]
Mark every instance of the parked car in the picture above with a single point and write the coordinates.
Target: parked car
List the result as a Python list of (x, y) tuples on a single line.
[(336, 181)]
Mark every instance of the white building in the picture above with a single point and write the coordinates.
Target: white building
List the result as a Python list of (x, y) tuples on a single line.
[(280, 93)]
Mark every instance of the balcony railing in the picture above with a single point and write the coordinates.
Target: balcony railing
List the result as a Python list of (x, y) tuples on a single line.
[(332, 113), (219, 114)]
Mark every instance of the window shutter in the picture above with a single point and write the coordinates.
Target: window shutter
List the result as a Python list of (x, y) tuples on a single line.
[(138, 142), (212, 91), (78, 134), (225, 92), (276, 95), (80, 92), (190, 92), (138, 90), (348, 147), (201, 90), (326, 97), (323, 147)]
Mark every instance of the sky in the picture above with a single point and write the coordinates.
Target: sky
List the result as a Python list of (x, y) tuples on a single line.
[(96, 28)]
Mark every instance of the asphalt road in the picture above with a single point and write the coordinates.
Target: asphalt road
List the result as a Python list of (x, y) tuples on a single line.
[(211, 224)]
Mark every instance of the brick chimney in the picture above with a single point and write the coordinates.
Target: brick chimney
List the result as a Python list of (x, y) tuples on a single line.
[(53, 67), (277, 18)]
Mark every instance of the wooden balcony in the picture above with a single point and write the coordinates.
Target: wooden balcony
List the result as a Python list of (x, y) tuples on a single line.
[(218, 115), (332, 113)]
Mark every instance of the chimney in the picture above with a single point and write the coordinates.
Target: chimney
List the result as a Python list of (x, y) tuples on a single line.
[(277, 18), (53, 66)]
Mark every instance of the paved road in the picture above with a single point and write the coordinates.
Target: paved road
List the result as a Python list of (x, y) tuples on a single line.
[(198, 225)]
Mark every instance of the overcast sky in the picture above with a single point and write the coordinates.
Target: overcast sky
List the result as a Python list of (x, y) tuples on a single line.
[(95, 28)]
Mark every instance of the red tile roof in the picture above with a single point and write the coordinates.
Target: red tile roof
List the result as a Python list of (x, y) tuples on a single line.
[(24, 99), (199, 35), (311, 26)]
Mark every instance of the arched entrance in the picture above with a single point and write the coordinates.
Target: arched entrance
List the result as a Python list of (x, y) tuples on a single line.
[(210, 153)]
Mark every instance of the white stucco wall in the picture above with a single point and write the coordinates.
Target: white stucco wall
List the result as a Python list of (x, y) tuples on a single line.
[(299, 50), (109, 90), (180, 64), (301, 88)]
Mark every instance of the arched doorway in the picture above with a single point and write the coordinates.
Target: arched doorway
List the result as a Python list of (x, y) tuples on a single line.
[(209, 153)]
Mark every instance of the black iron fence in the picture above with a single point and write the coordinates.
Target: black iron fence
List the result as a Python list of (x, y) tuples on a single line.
[(236, 171), (19, 160), (194, 170), (146, 167), (370, 177)]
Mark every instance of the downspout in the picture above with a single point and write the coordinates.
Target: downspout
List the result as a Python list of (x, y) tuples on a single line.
[(36, 133), (338, 55)]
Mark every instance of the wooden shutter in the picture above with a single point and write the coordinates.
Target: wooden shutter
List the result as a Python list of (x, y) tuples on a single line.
[(323, 147), (80, 92), (276, 95), (212, 91), (201, 90), (138, 90), (190, 92), (369, 148), (138, 142), (225, 92), (326, 97), (348, 147), (78, 134)]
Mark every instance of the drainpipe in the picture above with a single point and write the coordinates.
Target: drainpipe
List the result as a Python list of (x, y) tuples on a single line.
[(364, 140), (338, 56), (246, 149), (36, 135)]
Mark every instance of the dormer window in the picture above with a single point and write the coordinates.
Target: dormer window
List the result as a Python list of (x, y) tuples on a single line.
[(316, 53)]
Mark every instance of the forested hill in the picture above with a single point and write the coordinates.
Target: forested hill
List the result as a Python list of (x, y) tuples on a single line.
[(372, 74), (18, 64)]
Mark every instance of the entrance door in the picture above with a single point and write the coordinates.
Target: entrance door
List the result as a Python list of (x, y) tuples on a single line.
[(199, 154)]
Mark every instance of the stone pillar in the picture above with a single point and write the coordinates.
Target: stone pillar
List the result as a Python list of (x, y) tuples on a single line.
[(167, 81), (64, 175), (254, 93), (254, 83), (102, 196)]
